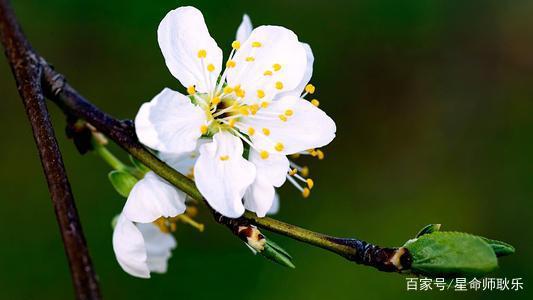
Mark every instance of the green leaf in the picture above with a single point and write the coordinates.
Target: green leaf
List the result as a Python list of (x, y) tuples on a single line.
[(139, 165), (428, 229), (451, 254), (500, 248), (277, 254), (122, 181)]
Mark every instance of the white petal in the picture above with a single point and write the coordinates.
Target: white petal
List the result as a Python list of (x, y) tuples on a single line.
[(170, 123), (183, 163), (307, 76), (129, 247), (274, 209), (181, 34), (308, 127), (270, 172), (222, 174), (278, 46), (244, 30), (152, 197), (158, 247)]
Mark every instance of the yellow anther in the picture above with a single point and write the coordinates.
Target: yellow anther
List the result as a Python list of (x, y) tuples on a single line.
[(256, 44), (251, 131), (228, 90), (244, 110), (310, 183), (232, 123), (191, 90), (268, 73), (315, 102), (313, 153), (231, 64), (283, 118), (202, 53), (210, 67), (215, 100), (306, 192), (235, 45), (293, 172), (263, 154), (203, 129), (266, 131), (320, 154), (254, 108), (260, 94), (276, 67), (240, 93), (279, 147), (310, 88), (250, 58), (289, 112), (224, 157), (264, 104), (305, 171), (279, 85)]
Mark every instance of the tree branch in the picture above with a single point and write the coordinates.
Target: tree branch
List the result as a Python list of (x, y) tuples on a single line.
[(27, 71)]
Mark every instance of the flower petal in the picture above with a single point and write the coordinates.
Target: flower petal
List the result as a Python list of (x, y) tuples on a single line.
[(307, 76), (271, 172), (151, 198), (183, 163), (307, 126), (158, 247), (244, 30), (130, 251), (222, 174), (272, 60), (170, 123), (274, 209), (181, 35)]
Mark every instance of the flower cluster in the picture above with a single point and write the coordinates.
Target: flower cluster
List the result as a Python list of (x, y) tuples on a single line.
[(231, 133)]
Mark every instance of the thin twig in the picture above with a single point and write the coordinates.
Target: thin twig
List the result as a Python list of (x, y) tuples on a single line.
[(27, 71)]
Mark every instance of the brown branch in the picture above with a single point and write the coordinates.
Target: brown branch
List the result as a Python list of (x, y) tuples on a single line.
[(27, 71)]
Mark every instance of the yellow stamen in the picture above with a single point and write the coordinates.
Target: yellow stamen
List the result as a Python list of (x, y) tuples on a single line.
[(283, 118), (310, 88), (310, 183), (191, 90), (254, 108), (230, 64), (232, 123), (260, 94), (315, 102), (320, 154), (210, 67), (256, 44), (293, 171), (235, 45), (289, 112), (266, 131), (264, 104), (250, 58), (224, 157), (268, 73), (244, 110), (304, 171), (203, 129), (279, 147), (306, 192), (228, 90), (251, 131), (263, 154), (202, 53), (279, 85), (276, 67), (215, 100)]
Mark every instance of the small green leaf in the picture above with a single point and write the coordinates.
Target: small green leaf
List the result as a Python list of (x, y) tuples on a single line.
[(428, 229), (139, 165), (277, 254), (122, 181), (500, 248), (451, 254)]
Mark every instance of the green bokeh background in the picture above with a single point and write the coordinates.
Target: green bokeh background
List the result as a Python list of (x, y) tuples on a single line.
[(433, 102)]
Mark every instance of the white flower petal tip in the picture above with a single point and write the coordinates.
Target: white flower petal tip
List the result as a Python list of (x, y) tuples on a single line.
[(274, 209), (170, 123), (151, 198), (142, 248), (271, 60), (189, 49), (244, 30), (222, 175)]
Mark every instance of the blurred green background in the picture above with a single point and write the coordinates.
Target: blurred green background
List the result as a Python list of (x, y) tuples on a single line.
[(433, 102)]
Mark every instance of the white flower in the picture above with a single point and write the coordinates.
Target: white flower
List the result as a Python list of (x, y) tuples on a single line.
[(255, 99), (141, 240)]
